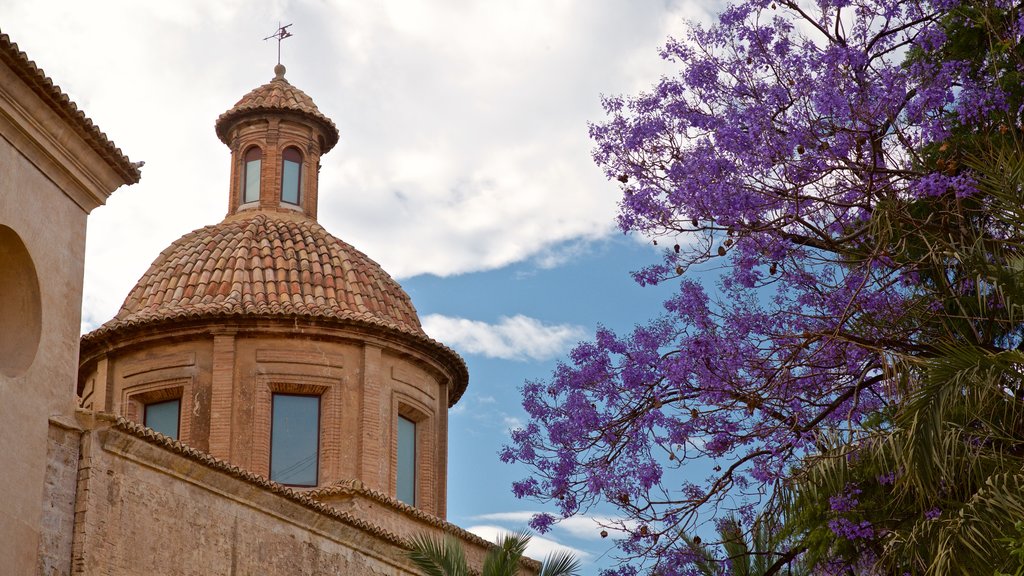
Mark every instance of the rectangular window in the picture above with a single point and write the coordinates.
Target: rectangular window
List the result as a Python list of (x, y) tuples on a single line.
[(290, 182), (163, 417), (252, 181), (294, 439), (406, 461)]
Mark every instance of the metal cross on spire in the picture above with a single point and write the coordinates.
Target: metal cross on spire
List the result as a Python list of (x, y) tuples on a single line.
[(281, 33)]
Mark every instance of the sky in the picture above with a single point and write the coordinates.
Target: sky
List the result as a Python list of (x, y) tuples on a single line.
[(464, 169)]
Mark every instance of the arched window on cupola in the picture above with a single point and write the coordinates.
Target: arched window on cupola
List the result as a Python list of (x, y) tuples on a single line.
[(291, 175), (251, 177)]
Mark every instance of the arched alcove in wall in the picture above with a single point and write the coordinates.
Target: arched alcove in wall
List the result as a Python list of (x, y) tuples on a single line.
[(20, 308)]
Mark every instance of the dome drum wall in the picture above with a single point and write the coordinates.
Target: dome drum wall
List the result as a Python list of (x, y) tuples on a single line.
[(272, 134), (226, 378)]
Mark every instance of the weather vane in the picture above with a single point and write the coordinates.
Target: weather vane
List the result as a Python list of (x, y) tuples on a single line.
[(281, 34)]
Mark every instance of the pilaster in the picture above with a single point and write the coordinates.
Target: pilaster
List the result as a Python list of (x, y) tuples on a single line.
[(222, 394), (374, 436)]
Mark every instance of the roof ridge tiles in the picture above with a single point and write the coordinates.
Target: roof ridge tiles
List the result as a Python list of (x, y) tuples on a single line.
[(278, 95), (44, 87)]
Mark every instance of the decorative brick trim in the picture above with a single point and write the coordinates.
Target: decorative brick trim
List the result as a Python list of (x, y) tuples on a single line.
[(162, 362), (135, 397)]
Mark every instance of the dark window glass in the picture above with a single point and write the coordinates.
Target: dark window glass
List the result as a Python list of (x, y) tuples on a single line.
[(295, 439), (291, 175), (251, 178), (163, 417), (406, 461)]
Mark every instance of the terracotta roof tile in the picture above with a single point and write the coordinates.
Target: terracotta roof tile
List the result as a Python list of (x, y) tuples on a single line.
[(240, 284), (278, 95)]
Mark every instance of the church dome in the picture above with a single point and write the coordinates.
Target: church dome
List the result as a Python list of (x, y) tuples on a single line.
[(278, 96), (266, 264), (265, 309)]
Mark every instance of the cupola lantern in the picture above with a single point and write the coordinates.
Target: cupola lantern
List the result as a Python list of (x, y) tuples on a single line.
[(276, 135)]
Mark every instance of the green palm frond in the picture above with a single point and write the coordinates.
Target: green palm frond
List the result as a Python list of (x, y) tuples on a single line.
[(434, 557), (957, 444), (438, 557), (753, 552), (734, 543), (503, 559), (561, 564), (703, 559)]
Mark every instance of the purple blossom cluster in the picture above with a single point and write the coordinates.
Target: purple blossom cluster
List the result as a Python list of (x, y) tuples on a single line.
[(887, 479), (842, 525), (845, 501), (788, 128), (851, 529)]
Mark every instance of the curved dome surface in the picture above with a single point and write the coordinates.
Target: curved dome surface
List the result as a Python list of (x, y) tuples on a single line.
[(266, 263), (278, 95)]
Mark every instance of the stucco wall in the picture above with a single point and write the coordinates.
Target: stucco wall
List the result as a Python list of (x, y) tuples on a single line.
[(42, 378), (55, 167), (149, 506)]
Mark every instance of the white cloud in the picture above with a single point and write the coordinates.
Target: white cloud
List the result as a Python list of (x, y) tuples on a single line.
[(590, 527), (539, 548), (583, 527), (555, 255), (517, 337), (518, 517), (512, 423)]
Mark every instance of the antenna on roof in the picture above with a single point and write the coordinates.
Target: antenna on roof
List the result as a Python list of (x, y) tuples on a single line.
[(281, 33)]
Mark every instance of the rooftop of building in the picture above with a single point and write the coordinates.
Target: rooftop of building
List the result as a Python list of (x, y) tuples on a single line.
[(61, 103), (278, 95)]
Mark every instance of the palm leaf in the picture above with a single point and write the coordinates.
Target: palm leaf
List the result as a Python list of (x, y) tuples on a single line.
[(436, 557)]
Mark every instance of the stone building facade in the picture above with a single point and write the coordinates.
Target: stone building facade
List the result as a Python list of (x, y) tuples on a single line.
[(55, 168), (265, 401)]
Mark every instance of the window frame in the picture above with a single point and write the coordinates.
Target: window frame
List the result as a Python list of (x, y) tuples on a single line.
[(319, 432), (399, 460), (405, 406), (177, 421), (137, 393), (298, 175), (245, 174)]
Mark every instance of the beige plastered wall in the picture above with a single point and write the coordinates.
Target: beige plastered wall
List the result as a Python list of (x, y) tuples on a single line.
[(49, 180)]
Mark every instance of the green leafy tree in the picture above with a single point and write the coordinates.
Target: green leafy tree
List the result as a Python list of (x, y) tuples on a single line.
[(446, 557)]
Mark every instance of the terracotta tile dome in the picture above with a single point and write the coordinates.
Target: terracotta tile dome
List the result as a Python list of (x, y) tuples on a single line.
[(265, 263), (278, 95)]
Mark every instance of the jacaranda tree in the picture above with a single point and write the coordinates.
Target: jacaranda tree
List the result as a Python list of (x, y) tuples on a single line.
[(816, 155)]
